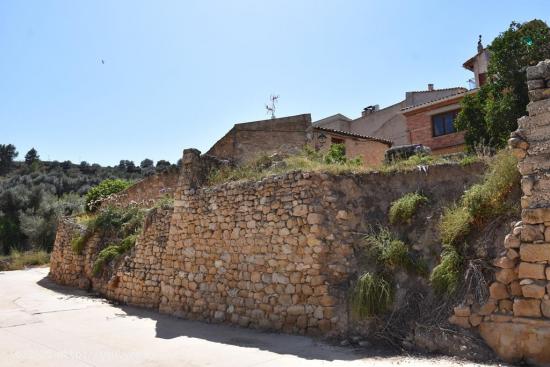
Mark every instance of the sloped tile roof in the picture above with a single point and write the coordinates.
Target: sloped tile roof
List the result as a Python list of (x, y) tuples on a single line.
[(353, 135)]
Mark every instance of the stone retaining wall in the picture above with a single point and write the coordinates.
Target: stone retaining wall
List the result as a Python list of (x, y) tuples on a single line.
[(515, 321), (277, 253), (147, 191)]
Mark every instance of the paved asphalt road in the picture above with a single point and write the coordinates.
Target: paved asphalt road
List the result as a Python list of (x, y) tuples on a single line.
[(42, 324)]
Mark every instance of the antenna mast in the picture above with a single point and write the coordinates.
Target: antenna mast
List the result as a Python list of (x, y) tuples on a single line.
[(270, 108)]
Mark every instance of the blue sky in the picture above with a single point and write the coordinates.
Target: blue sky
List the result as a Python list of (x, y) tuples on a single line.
[(179, 74)]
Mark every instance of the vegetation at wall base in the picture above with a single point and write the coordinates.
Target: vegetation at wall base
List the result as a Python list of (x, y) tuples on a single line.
[(490, 115), (371, 296), (402, 209), (18, 260), (446, 276)]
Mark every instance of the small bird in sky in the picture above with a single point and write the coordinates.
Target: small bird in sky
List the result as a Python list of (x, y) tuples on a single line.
[(103, 61)]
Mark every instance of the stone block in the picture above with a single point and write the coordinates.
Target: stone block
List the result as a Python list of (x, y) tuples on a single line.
[(504, 262), (505, 305), (498, 291), (532, 233), (462, 311), (475, 320), (515, 289), (531, 270), (533, 290), (527, 307), (488, 308), (463, 322), (545, 308), (512, 254), (535, 216), (535, 252), (506, 276), (539, 94), (511, 241), (536, 84), (538, 107)]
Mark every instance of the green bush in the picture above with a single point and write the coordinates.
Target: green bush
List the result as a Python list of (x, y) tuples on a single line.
[(78, 243), (486, 200), (481, 201), (455, 224), (371, 295), (391, 252), (445, 277), (113, 251), (404, 208), (111, 222), (103, 190)]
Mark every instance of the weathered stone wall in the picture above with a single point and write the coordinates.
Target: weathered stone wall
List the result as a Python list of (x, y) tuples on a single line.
[(134, 279), (277, 253), (248, 140), (147, 191), (515, 321)]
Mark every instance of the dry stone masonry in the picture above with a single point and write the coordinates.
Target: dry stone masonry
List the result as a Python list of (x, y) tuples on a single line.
[(276, 253), (145, 192), (515, 321)]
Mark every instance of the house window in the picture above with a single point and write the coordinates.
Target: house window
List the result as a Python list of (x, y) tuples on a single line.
[(336, 141), (443, 123)]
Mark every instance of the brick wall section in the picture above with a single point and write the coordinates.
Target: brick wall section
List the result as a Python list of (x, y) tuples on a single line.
[(248, 140), (419, 125), (372, 152), (147, 191), (515, 321), (276, 253)]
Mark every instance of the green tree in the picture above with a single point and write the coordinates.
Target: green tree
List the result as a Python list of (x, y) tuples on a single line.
[(8, 152), (489, 116), (31, 157)]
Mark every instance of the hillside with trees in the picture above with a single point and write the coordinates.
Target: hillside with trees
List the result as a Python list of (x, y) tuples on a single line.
[(34, 194)]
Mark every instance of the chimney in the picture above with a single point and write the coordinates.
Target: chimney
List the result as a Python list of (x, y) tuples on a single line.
[(369, 109), (430, 87)]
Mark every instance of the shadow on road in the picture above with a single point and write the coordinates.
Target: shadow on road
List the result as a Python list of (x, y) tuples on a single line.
[(170, 327)]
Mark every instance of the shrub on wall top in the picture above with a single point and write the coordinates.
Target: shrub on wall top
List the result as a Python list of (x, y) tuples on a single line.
[(103, 190)]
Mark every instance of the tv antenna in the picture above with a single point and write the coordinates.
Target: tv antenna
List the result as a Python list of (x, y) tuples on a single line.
[(270, 108)]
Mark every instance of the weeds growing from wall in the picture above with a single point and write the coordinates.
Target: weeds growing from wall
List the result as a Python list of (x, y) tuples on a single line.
[(391, 253), (446, 276), (371, 296), (479, 203), (402, 209), (113, 251), (119, 225), (309, 160)]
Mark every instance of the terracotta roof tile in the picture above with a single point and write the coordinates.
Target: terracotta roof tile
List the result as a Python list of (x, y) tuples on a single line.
[(347, 133)]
